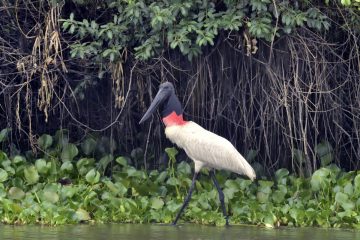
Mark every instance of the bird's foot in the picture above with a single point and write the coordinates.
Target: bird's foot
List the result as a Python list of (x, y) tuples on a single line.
[(227, 222)]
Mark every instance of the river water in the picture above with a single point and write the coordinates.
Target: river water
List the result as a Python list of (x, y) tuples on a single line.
[(157, 231)]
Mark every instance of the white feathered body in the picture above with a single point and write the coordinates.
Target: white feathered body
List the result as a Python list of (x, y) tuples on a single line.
[(207, 149)]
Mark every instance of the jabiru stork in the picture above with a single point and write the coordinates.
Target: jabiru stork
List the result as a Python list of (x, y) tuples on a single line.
[(205, 148)]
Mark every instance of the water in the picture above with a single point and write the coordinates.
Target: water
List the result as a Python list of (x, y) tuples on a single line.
[(155, 231)]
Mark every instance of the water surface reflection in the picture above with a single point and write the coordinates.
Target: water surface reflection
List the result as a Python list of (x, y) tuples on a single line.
[(156, 232)]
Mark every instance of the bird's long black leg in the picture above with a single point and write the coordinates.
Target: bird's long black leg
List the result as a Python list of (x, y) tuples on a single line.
[(187, 199), (221, 195)]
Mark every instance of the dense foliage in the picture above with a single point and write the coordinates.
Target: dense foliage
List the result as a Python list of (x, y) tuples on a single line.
[(69, 184), (279, 79), (149, 28)]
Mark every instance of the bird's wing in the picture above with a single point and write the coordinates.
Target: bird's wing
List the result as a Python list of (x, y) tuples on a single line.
[(211, 149)]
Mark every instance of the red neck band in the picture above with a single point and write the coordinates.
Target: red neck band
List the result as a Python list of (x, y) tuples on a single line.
[(173, 119)]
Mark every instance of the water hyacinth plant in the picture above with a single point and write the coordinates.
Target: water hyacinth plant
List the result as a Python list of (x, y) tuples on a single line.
[(68, 183)]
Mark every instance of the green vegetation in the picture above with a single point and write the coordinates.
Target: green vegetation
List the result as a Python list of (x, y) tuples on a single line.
[(61, 186), (150, 27), (353, 3), (287, 71)]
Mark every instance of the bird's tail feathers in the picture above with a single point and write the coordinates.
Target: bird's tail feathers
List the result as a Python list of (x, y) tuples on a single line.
[(246, 168)]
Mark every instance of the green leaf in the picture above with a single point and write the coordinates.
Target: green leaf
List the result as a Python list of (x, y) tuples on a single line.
[(171, 152), (287, 29), (112, 187), (2, 193), (295, 213), (16, 193), (319, 179), (280, 174), (62, 137), (229, 193), (122, 161), (84, 165), (65, 25), (324, 152), (41, 166), (52, 167), (157, 203), (5, 162), (173, 206), (11, 170), (264, 190), (94, 25), (343, 200), (92, 176), (132, 172), (81, 215), (278, 196), (262, 197), (109, 34), (104, 161), (68, 191), (86, 22), (69, 152), (162, 176), (3, 175), (45, 141), (184, 168), (326, 159), (173, 181), (88, 146), (357, 184), (17, 182), (4, 133), (50, 196), (346, 2), (232, 184), (116, 188), (72, 29), (349, 189), (18, 159), (112, 56), (269, 220), (74, 53), (31, 174), (107, 52), (67, 167), (244, 184), (122, 190), (173, 44), (265, 184)]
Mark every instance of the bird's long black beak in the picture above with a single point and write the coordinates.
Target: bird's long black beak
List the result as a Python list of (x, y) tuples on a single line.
[(161, 95)]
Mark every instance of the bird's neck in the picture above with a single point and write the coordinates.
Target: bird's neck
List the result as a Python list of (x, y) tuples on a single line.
[(173, 120), (172, 112)]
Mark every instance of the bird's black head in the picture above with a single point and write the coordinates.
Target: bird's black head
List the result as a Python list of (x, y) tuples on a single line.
[(167, 86), (166, 100)]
